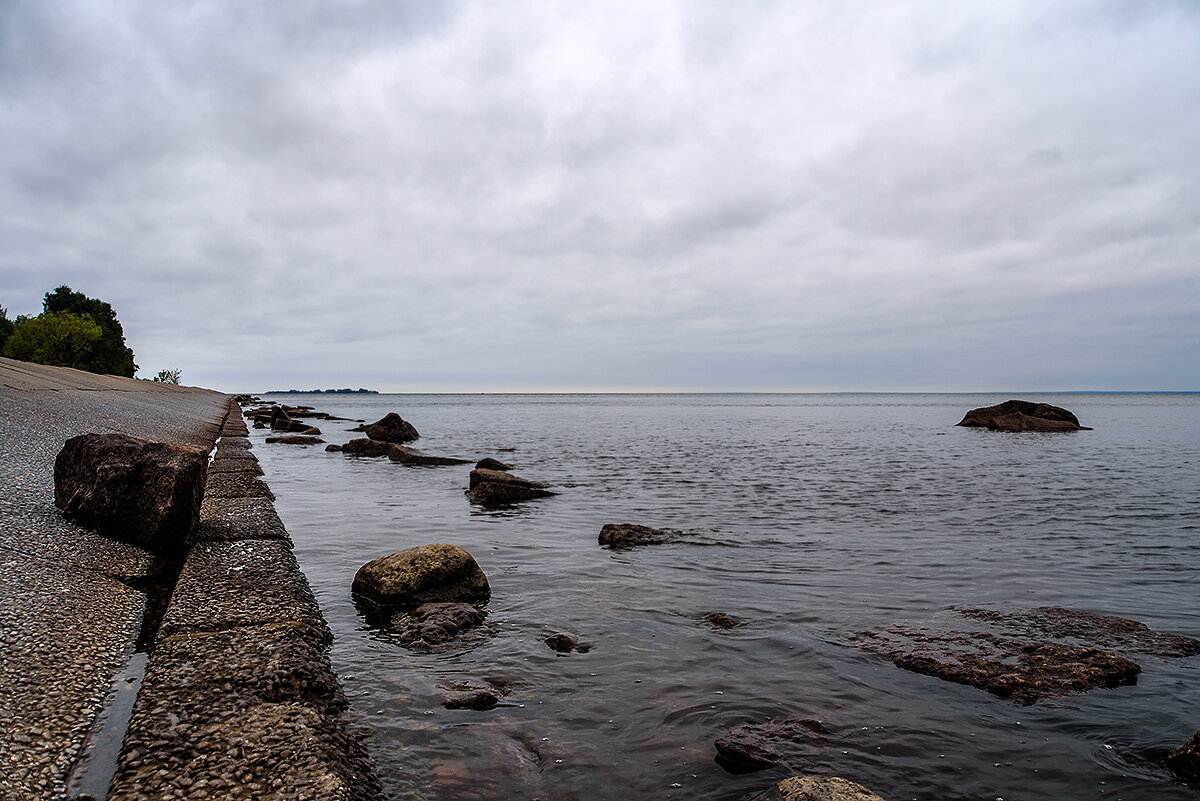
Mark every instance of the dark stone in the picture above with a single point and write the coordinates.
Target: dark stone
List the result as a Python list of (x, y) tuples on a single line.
[(496, 494), (492, 464), (280, 420), (333, 448), (147, 493), (433, 624), (367, 447), (620, 536), (816, 788), (495, 488), (1019, 415), (484, 475), (419, 575), (1185, 760), (294, 439), (720, 620), (415, 458), (480, 700), (757, 746), (1026, 654), (562, 643), (391, 428)]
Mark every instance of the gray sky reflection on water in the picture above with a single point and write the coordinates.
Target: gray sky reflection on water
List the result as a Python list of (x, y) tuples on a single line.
[(523, 196)]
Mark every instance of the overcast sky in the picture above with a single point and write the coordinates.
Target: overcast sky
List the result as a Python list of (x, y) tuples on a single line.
[(826, 195)]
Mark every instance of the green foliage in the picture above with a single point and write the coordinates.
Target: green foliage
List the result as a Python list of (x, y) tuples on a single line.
[(6, 327), (109, 354), (168, 376), (60, 338)]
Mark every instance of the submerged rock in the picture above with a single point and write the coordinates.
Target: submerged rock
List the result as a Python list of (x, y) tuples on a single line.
[(1019, 415), (438, 572), (295, 439), (367, 447), (722, 621), (390, 428), (620, 536), (816, 788), (565, 643), (479, 700), (415, 458), (757, 746), (1184, 761), (1026, 654), (432, 624), (147, 493)]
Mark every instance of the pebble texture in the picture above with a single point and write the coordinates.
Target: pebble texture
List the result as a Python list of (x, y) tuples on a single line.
[(817, 788), (68, 620), (239, 699)]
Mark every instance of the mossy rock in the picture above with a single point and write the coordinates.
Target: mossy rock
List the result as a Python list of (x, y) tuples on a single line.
[(438, 572)]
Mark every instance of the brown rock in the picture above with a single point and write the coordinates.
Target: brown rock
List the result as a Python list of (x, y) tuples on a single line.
[(816, 788), (483, 475), (480, 700), (433, 624), (415, 458), (1026, 654), (294, 439), (1185, 760), (620, 536), (366, 447), (756, 746), (494, 494), (492, 464), (147, 493), (391, 428), (722, 621), (419, 575), (563, 643), (1019, 415)]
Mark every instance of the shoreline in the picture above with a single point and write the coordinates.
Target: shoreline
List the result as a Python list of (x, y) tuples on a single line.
[(238, 695)]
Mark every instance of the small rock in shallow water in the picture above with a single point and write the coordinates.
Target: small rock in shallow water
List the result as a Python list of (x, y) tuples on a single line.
[(816, 788), (565, 643), (434, 624), (1185, 760), (480, 700)]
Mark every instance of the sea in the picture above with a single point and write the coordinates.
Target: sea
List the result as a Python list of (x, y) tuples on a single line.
[(811, 517)]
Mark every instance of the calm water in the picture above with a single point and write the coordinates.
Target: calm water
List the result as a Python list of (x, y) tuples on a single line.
[(822, 515)]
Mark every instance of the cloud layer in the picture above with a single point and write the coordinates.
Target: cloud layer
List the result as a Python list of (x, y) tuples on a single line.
[(522, 196)]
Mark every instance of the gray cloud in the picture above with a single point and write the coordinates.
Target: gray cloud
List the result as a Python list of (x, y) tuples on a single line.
[(520, 196)]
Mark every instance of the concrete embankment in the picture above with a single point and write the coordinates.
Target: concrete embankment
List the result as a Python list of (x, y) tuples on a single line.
[(238, 698)]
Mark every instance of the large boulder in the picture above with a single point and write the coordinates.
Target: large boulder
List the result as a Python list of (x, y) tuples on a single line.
[(1020, 415), (816, 788), (391, 428), (422, 574), (1185, 760), (147, 493)]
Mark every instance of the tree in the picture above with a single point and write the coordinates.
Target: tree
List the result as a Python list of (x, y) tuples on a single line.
[(168, 376), (6, 327), (109, 354), (59, 338)]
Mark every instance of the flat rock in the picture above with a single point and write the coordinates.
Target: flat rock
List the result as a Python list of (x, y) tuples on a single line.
[(295, 439), (367, 447), (493, 495), (816, 788), (415, 458), (485, 476), (480, 700), (1020, 415), (1026, 654), (414, 576), (757, 746), (147, 493), (621, 536)]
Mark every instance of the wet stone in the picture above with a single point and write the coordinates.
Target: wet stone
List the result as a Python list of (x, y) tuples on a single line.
[(239, 519)]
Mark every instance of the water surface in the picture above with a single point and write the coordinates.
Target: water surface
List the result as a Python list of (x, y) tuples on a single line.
[(819, 516)]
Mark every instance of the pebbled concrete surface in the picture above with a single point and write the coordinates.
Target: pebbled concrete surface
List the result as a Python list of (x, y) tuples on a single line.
[(239, 699), (68, 619)]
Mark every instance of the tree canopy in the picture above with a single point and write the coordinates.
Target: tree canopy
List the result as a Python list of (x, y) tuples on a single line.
[(73, 330)]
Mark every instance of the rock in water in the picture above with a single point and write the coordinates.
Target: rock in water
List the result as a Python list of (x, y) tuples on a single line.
[(756, 746), (419, 575), (492, 464), (492, 488), (147, 493), (433, 624), (620, 536), (1185, 760), (816, 788), (391, 428), (366, 447), (1019, 415), (295, 439)]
